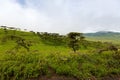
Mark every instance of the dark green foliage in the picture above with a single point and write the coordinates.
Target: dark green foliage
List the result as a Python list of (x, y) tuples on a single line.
[(5, 30), (33, 32), (110, 47), (20, 42), (74, 39), (51, 38)]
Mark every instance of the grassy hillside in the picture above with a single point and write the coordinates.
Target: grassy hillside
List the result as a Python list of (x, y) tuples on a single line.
[(104, 36), (46, 61)]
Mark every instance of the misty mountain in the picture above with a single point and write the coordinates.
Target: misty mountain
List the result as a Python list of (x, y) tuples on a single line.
[(104, 36)]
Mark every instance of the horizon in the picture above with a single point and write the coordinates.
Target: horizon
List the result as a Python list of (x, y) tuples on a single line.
[(25, 30)]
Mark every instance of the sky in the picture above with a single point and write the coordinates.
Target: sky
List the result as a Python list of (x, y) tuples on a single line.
[(61, 16)]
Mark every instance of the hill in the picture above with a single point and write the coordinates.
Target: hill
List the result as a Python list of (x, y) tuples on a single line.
[(104, 36), (38, 56)]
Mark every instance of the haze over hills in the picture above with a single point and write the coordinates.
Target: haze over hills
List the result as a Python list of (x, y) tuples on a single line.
[(104, 36), (103, 33), (110, 36)]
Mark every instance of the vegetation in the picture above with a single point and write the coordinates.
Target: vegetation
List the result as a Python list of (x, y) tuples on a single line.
[(74, 39), (104, 36), (31, 56)]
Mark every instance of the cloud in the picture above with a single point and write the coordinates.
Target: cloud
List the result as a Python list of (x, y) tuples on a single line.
[(61, 16), (13, 14)]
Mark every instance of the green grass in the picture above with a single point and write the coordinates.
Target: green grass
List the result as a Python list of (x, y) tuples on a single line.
[(31, 65), (103, 39), (113, 37), (46, 60)]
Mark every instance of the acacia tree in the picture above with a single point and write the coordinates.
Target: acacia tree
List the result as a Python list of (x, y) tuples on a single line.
[(13, 29), (51, 38), (74, 38), (5, 29), (20, 42)]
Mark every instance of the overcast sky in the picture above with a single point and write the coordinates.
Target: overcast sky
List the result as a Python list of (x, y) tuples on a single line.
[(61, 16)]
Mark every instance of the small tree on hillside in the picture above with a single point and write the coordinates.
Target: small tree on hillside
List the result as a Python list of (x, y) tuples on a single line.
[(74, 39), (5, 29)]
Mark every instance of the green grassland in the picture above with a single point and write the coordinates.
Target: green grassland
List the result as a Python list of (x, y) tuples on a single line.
[(103, 36), (50, 60)]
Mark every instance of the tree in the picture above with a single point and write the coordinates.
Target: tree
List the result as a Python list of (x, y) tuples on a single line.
[(51, 38), (74, 38), (20, 42), (13, 28), (5, 29)]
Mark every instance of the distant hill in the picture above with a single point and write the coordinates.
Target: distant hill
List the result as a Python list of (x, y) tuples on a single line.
[(105, 36)]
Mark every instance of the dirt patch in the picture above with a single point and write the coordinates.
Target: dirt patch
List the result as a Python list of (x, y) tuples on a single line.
[(112, 77), (55, 78)]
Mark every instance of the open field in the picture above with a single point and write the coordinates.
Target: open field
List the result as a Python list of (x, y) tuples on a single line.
[(48, 61), (104, 36)]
